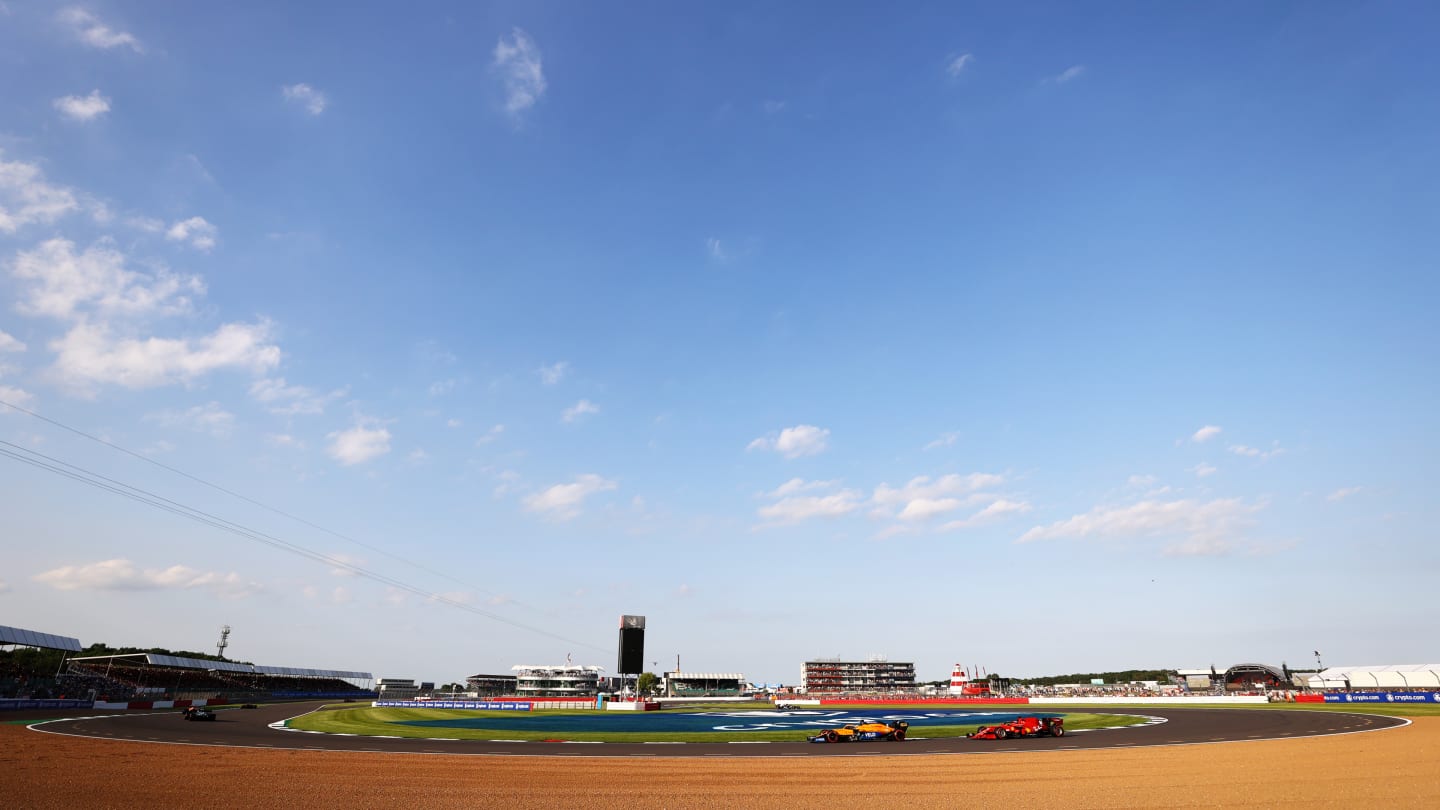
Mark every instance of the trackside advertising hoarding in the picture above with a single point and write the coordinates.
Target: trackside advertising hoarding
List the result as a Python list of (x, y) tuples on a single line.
[(487, 705), (1383, 697)]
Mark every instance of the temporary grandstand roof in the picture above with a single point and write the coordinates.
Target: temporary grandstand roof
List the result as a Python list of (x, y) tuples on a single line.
[(1394, 676), (33, 638), (157, 660), (706, 676)]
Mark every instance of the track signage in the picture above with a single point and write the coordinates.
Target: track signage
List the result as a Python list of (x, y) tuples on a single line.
[(1383, 697)]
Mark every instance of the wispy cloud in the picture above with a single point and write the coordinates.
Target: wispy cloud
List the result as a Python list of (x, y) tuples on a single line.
[(1069, 74), (490, 435), (1206, 433), (90, 30), (794, 442), (1193, 527), (517, 59), (1341, 494), (196, 231), (26, 198), (1255, 452), (1203, 470), (947, 439), (553, 373), (793, 506), (564, 501), (582, 408), (283, 399), (994, 512), (211, 418), (83, 108), (359, 444), (124, 575), (956, 65), (9, 344), (306, 96)]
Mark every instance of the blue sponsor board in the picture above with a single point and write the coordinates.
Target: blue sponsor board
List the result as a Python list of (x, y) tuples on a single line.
[(487, 705), (1383, 697)]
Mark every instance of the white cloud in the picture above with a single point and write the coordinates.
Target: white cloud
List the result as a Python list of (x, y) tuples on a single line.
[(946, 439), (9, 344), (552, 374), (1069, 74), (1206, 433), (491, 435), (195, 230), (795, 485), (27, 199), (440, 388), (208, 418), (995, 511), (124, 575), (89, 354), (957, 65), (291, 400), (794, 442), (453, 423), (773, 106), (716, 250), (17, 396), (797, 508), (283, 440), (1342, 494), (519, 64), (1255, 452), (95, 33), (61, 282), (1196, 527), (313, 100), (888, 499), (926, 508), (358, 444), (578, 410), (83, 108), (1203, 470), (418, 456), (563, 501)]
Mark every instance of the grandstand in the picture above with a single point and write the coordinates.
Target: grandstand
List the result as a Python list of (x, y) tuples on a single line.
[(556, 681), (1252, 677), (32, 676), (1395, 676), (169, 677), (703, 684)]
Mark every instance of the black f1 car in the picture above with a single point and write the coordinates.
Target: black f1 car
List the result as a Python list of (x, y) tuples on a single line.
[(198, 713)]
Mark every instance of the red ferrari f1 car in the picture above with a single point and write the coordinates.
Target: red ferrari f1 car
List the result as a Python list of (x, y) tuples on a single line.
[(864, 731), (1022, 727)]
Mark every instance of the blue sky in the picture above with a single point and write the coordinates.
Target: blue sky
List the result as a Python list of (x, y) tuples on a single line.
[(1050, 338)]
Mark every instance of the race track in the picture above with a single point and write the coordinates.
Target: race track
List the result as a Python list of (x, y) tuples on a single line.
[(239, 728)]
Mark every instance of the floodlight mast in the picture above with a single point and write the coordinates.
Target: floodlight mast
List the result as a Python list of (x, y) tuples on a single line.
[(224, 641)]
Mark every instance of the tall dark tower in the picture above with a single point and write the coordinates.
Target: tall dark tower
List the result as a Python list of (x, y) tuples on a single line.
[(632, 646), (224, 641)]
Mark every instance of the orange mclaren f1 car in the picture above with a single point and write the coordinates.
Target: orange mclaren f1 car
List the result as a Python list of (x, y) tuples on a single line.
[(863, 731)]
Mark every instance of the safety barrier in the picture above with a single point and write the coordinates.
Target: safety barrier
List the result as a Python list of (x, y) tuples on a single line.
[(1154, 701), (14, 704), (154, 704), (487, 705), (1382, 697), (1011, 701)]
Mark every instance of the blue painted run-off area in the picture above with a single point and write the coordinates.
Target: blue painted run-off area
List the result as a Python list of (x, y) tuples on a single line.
[(719, 721)]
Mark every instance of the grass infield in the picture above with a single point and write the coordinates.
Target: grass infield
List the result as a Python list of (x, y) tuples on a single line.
[(369, 721)]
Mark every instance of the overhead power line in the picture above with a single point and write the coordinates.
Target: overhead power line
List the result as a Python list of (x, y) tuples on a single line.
[(242, 497), (93, 479)]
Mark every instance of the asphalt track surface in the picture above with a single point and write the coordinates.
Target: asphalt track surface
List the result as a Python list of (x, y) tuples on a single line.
[(251, 728)]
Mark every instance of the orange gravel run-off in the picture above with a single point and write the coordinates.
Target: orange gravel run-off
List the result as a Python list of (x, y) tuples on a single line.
[(1391, 768)]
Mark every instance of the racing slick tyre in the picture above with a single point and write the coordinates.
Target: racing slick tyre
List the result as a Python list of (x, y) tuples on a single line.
[(1001, 734), (899, 735), (831, 736), (1058, 731)]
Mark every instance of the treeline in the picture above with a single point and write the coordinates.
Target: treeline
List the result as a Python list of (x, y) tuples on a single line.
[(1123, 676), (31, 659)]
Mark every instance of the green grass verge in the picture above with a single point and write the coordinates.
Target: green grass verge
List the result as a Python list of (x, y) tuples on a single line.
[(368, 721)]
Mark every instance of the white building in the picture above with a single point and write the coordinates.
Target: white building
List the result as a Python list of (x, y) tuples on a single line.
[(563, 680)]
